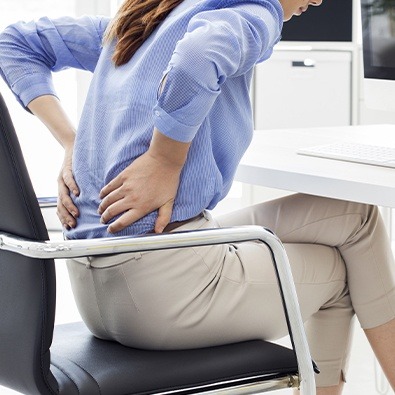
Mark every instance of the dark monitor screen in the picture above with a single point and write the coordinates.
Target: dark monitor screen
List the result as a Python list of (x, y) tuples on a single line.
[(331, 21), (378, 32)]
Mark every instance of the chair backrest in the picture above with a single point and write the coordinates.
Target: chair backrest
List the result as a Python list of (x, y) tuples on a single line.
[(27, 286)]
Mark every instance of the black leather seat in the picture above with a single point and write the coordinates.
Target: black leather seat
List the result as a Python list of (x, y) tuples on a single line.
[(78, 360), (36, 359)]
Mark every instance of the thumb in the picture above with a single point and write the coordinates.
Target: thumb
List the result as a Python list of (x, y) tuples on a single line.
[(164, 215)]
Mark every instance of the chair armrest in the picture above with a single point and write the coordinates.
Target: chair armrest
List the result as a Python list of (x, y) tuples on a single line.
[(151, 242), (47, 202), (65, 249)]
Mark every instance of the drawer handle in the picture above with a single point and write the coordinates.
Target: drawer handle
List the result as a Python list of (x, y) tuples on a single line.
[(303, 63)]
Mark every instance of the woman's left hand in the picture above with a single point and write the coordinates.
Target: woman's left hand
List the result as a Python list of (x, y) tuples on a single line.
[(146, 185)]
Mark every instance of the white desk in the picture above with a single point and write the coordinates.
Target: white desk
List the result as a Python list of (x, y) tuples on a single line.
[(272, 161)]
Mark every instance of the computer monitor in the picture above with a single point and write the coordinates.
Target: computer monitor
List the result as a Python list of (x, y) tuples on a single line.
[(378, 34)]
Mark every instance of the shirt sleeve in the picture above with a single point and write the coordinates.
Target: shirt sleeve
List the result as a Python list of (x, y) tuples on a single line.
[(219, 44), (30, 51)]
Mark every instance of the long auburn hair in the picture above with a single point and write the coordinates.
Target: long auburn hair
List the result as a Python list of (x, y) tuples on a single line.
[(133, 23)]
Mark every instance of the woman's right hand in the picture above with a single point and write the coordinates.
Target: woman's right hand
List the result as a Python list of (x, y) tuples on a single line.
[(67, 211)]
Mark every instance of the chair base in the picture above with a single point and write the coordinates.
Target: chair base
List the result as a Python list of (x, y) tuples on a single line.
[(252, 388)]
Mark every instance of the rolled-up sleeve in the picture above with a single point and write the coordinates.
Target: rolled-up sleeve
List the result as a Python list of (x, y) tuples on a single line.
[(31, 51), (219, 44)]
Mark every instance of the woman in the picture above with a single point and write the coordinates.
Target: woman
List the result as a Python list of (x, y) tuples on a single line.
[(165, 124)]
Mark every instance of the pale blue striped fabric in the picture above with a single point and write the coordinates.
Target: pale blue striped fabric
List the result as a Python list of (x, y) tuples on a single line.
[(207, 49)]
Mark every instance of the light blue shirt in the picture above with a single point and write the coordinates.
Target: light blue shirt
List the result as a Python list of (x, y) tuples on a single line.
[(207, 49)]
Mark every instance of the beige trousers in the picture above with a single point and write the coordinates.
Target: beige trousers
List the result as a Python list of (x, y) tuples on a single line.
[(341, 262)]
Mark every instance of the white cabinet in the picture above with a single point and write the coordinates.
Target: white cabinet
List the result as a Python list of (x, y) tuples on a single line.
[(303, 89)]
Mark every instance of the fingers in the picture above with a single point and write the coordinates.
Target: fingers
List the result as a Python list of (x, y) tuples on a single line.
[(109, 200), (132, 215), (111, 186), (70, 183), (164, 216), (124, 220), (116, 208), (66, 175), (67, 212)]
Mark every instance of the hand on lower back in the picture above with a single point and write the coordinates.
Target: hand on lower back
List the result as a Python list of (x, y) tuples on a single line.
[(144, 186)]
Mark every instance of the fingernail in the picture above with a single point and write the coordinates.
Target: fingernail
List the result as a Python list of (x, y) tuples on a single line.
[(74, 214), (75, 192)]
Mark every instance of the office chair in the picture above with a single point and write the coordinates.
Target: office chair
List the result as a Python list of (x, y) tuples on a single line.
[(36, 358)]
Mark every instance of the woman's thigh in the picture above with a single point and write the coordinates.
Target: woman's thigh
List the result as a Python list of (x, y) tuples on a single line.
[(355, 229), (300, 218)]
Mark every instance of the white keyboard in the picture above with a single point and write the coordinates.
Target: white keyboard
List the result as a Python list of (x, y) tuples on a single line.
[(354, 152)]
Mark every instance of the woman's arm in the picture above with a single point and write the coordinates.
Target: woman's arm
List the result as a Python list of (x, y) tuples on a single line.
[(49, 110), (150, 183), (30, 51), (219, 44)]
